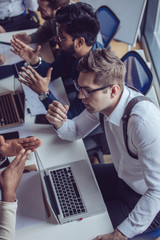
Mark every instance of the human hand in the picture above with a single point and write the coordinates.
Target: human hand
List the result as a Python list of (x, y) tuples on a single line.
[(34, 81), (57, 114), (2, 59), (29, 143), (10, 177), (115, 235), (9, 148), (2, 30), (24, 51), (23, 37)]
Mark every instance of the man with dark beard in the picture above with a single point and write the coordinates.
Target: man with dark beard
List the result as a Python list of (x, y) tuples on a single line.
[(77, 29)]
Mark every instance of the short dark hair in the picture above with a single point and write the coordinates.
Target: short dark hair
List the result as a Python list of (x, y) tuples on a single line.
[(79, 20), (109, 69), (54, 4)]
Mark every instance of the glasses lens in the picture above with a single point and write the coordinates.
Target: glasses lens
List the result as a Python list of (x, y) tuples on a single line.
[(85, 93), (78, 88)]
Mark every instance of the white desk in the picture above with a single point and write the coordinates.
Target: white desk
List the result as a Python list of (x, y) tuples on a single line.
[(55, 151)]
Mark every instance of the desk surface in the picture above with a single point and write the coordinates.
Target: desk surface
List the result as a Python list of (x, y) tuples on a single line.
[(55, 151)]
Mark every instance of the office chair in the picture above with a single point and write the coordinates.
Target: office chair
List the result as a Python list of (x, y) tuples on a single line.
[(138, 74), (96, 144), (153, 235), (109, 24), (32, 15)]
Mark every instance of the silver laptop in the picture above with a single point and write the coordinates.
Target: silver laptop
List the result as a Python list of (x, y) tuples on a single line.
[(71, 191)]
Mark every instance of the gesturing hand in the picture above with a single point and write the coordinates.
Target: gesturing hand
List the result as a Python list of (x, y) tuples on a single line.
[(23, 37), (11, 147), (24, 51), (57, 114), (2, 30), (10, 177), (34, 81), (2, 59)]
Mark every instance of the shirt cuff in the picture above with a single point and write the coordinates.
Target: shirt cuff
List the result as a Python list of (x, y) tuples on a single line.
[(9, 204), (61, 129), (128, 229)]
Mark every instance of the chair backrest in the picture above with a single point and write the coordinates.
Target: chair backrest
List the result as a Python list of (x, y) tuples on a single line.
[(138, 74), (152, 235), (109, 23)]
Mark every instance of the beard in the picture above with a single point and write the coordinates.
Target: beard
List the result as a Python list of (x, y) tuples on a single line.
[(70, 50), (47, 17)]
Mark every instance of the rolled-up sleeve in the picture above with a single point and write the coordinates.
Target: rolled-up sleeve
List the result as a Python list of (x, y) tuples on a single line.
[(7, 220), (146, 139), (78, 127)]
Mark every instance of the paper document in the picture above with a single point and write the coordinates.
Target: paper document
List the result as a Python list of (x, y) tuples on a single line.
[(35, 105), (10, 57)]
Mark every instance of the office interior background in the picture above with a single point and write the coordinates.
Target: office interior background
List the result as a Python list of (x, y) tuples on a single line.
[(148, 38), (148, 41)]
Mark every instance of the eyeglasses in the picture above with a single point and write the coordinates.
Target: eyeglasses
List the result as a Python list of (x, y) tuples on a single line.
[(87, 92), (60, 36)]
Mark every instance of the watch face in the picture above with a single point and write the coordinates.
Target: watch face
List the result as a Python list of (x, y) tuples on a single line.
[(43, 96)]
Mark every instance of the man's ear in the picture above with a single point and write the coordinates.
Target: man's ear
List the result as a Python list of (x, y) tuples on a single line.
[(114, 90), (79, 42)]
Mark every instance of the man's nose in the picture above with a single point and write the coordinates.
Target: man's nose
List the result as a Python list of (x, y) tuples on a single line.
[(81, 95)]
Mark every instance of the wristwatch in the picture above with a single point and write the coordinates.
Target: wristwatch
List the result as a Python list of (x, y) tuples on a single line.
[(43, 96), (2, 159)]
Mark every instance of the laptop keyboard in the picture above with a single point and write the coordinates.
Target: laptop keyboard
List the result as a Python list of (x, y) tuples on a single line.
[(9, 112), (67, 192)]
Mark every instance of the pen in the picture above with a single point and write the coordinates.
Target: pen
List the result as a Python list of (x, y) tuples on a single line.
[(6, 43), (16, 69)]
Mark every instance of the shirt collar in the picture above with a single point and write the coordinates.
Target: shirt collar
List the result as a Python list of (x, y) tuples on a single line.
[(117, 114), (97, 45)]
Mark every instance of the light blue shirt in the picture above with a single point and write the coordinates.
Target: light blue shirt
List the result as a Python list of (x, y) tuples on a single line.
[(11, 8)]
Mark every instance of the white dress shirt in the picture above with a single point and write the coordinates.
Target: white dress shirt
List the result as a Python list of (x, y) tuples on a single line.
[(142, 175), (7, 220), (11, 8)]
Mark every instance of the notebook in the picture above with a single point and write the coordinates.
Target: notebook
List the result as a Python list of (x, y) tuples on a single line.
[(71, 191)]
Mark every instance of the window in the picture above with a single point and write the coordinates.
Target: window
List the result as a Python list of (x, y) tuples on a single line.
[(157, 26), (152, 33)]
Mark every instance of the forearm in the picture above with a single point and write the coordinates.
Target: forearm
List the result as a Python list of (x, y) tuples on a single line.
[(42, 35), (7, 220), (142, 215), (78, 127)]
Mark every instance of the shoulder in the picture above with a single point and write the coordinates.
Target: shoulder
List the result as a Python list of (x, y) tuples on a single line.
[(146, 110), (144, 121)]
